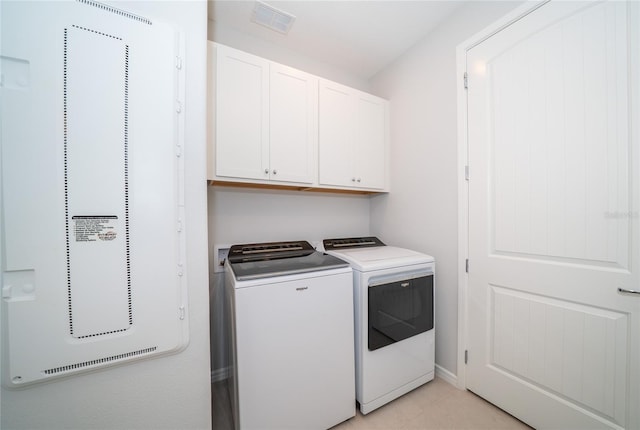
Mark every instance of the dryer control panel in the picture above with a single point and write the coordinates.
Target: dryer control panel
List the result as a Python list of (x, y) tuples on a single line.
[(351, 242)]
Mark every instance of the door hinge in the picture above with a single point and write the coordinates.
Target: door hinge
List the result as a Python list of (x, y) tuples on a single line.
[(466, 265), (466, 81), (466, 173), (466, 356)]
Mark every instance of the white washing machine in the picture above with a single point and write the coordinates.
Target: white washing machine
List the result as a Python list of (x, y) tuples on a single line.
[(394, 324), (292, 331)]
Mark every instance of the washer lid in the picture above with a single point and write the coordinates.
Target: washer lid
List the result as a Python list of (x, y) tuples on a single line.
[(259, 269), (382, 257)]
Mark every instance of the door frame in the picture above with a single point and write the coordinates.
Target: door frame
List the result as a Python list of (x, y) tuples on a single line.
[(463, 157)]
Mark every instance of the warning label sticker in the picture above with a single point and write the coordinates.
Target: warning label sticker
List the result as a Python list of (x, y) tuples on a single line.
[(95, 228)]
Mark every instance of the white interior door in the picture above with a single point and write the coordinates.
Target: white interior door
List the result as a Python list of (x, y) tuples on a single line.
[(553, 216)]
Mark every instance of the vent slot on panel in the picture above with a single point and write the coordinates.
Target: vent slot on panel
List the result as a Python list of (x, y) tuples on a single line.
[(99, 361), (116, 11)]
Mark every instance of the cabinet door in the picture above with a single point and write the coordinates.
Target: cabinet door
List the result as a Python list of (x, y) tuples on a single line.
[(293, 124), (371, 141), (242, 103), (337, 135)]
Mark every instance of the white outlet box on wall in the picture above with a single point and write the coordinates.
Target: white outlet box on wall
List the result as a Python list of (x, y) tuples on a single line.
[(220, 255)]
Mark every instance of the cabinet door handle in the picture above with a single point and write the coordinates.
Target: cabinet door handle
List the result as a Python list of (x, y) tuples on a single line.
[(275, 172), (266, 171), (358, 179), (353, 179), (625, 291)]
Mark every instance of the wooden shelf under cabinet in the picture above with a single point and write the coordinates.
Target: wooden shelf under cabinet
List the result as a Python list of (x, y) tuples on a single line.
[(289, 188)]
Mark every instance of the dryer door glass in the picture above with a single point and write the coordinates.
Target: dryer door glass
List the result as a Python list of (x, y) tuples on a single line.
[(399, 310)]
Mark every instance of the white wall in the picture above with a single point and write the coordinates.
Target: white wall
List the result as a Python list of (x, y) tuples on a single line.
[(163, 393), (421, 210), (246, 215), (230, 37)]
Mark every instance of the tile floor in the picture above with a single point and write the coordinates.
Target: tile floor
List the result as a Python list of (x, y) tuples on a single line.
[(435, 405)]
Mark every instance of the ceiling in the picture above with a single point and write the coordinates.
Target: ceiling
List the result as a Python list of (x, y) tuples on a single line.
[(360, 37)]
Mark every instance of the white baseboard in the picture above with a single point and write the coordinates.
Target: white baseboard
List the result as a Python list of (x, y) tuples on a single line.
[(445, 375), (442, 373), (220, 374)]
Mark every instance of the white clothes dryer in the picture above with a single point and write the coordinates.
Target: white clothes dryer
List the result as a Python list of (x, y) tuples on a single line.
[(394, 323)]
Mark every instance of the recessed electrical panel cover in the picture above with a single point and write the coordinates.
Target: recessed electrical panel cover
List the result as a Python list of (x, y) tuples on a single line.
[(92, 224)]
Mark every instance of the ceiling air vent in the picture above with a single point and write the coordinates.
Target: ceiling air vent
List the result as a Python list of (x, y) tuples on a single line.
[(272, 18)]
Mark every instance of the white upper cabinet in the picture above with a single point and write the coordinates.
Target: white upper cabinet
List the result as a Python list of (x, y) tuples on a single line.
[(241, 101), (264, 119), (353, 143), (337, 135), (272, 124), (293, 110), (371, 141)]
